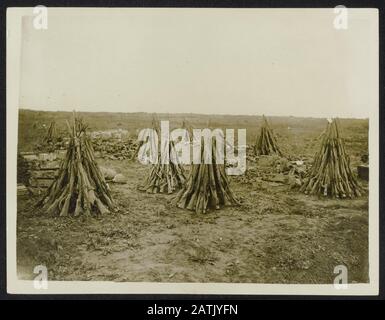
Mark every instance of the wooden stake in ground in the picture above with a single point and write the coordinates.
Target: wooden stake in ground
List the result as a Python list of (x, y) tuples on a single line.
[(80, 188), (330, 174), (207, 186), (266, 143)]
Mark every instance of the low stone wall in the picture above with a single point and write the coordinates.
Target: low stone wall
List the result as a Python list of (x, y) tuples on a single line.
[(43, 168)]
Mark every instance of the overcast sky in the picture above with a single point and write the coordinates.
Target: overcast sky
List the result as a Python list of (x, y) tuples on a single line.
[(282, 62)]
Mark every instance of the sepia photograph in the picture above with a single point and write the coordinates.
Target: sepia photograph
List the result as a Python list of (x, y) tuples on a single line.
[(192, 150)]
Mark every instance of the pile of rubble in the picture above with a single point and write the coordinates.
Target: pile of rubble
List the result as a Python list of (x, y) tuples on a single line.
[(120, 134), (114, 148), (281, 170), (112, 144), (276, 170)]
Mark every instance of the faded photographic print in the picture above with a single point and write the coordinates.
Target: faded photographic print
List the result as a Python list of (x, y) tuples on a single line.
[(228, 151)]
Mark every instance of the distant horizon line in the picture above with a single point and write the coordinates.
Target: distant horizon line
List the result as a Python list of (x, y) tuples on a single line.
[(194, 113)]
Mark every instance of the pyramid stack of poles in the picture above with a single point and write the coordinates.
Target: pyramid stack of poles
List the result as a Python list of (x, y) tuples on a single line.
[(51, 133), (207, 186), (330, 174), (80, 188), (266, 143), (164, 177), (189, 131), (151, 140)]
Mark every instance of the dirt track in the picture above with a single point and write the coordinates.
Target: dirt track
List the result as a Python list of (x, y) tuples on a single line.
[(276, 236)]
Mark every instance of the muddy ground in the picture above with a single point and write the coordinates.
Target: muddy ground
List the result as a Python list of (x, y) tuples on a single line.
[(277, 236)]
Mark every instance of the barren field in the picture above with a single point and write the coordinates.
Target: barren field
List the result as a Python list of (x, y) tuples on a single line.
[(277, 235)]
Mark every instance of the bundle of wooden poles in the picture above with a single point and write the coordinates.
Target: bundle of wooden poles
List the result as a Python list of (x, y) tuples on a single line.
[(330, 174), (51, 133), (207, 186), (151, 140), (266, 143), (189, 131), (80, 188), (164, 176)]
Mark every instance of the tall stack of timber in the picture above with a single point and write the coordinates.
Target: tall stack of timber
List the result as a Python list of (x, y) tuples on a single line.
[(189, 131), (51, 141), (79, 188), (165, 177), (51, 135), (330, 174), (266, 143), (207, 186), (150, 145)]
